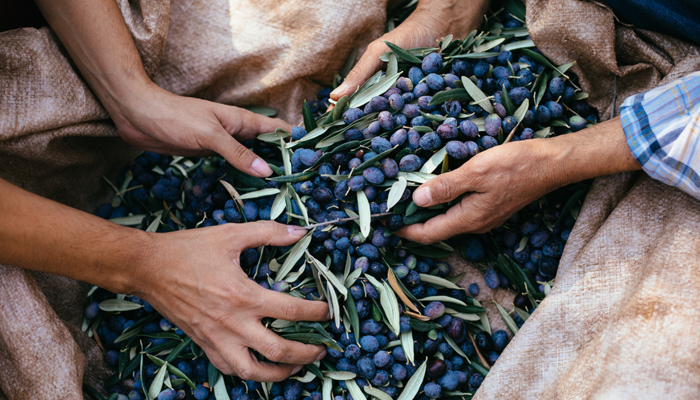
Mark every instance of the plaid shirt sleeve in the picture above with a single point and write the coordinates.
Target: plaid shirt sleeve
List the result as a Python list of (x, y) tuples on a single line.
[(663, 132)]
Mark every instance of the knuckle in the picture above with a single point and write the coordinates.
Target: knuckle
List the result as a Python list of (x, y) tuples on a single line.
[(290, 311), (275, 352), (244, 373), (239, 151)]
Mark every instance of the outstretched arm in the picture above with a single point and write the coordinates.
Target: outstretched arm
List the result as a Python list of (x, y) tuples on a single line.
[(192, 277), (96, 37), (500, 181)]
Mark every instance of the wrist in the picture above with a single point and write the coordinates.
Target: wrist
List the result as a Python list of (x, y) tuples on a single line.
[(596, 151), (131, 263)]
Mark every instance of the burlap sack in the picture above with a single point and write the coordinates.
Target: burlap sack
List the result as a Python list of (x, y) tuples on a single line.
[(57, 141), (619, 322)]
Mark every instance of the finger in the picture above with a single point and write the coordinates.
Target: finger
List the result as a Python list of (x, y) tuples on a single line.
[(282, 306), (247, 367), (461, 218), (246, 125), (279, 350), (369, 64), (444, 187), (267, 233), (238, 155), (217, 359)]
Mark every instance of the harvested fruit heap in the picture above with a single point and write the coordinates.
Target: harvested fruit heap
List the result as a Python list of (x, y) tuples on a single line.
[(401, 327)]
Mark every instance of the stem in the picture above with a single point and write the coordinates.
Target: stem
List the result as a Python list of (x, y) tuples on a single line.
[(335, 221)]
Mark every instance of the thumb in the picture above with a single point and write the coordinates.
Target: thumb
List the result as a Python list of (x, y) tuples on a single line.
[(242, 124), (268, 233), (443, 188), (369, 64)]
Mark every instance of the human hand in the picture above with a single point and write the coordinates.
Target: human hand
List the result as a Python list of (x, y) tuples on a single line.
[(496, 183), (196, 282), (431, 20), (154, 119), (500, 181)]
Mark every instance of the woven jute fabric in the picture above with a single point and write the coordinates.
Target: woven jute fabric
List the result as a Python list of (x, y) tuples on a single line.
[(618, 323), (56, 140)]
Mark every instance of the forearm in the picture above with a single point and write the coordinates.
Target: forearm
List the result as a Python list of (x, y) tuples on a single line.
[(96, 37), (43, 235), (597, 151)]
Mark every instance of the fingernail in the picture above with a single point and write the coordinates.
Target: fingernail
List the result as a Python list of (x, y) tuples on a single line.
[(422, 196), (340, 89), (296, 230), (261, 167), (322, 355), (296, 369)]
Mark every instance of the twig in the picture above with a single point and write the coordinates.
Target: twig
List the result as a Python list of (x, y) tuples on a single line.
[(478, 353), (335, 221)]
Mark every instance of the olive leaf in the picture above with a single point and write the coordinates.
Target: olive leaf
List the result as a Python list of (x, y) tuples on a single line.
[(351, 308), (559, 123), (355, 390), (279, 204), (286, 160), (580, 96), (376, 393), (365, 213), (312, 338), (523, 243), (407, 345), (563, 68), (396, 192), (131, 220), (438, 281), (484, 318), (446, 42), (454, 346), (434, 161), (339, 375), (393, 65), (507, 101), (523, 44), (476, 55), (541, 87), (333, 303), (157, 383), (418, 51), (294, 255), (258, 193), (417, 177), (172, 369), (401, 53), (466, 317), (309, 120), (410, 391), (315, 133), (300, 203), (116, 305), (488, 45), (352, 277), (391, 307), (340, 107), (422, 326), (522, 110), (542, 60), (327, 388), (328, 274), (420, 129), (220, 389), (262, 110), (294, 178), (274, 137), (447, 95), (507, 319), (477, 95), (444, 299), (543, 133), (375, 90), (524, 315)]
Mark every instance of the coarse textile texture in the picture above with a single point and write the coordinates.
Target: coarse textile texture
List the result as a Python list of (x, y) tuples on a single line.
[(57, 141), (615, 325)]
